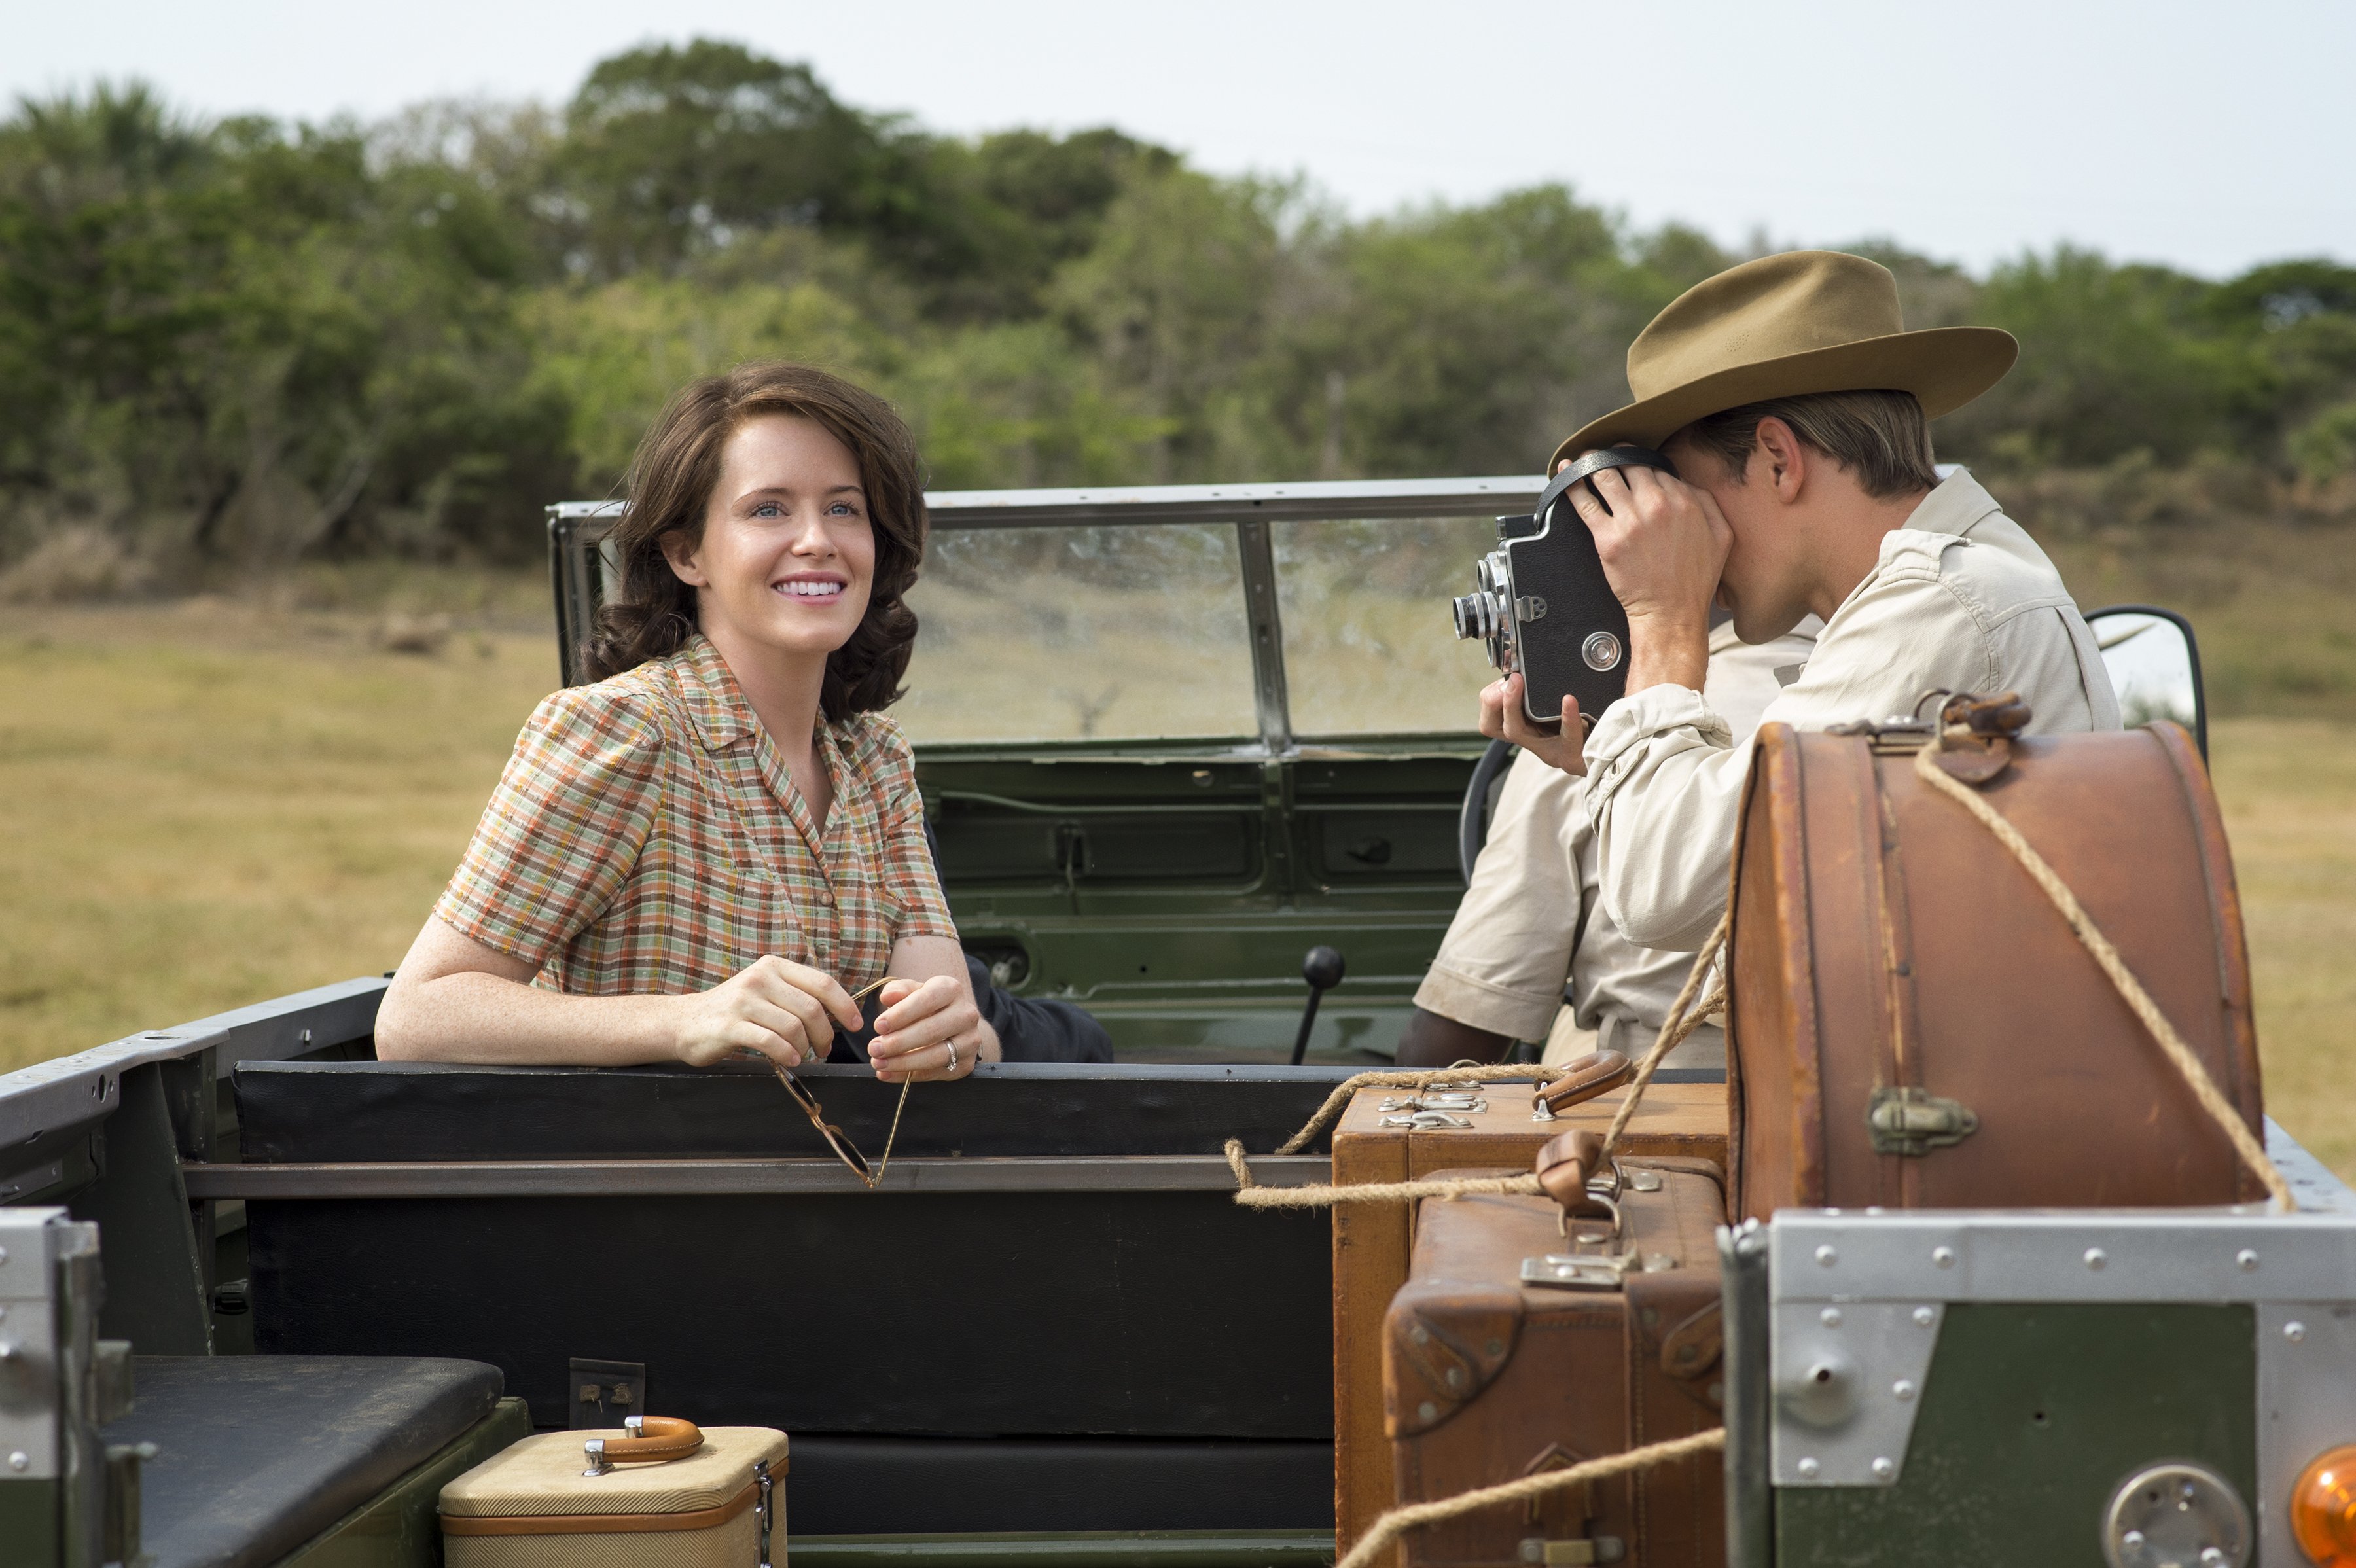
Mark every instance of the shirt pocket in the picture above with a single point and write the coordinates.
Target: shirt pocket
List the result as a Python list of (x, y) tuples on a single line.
[(748, 913)]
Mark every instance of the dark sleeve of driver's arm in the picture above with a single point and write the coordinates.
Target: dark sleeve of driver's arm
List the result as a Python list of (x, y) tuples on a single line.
[(1037, 1031)]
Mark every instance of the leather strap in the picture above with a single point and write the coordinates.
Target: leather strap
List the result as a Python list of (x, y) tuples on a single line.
[(1566, 1163), (1594, 463)]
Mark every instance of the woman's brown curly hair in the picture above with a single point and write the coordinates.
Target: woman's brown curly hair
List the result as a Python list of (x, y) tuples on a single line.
[(669, 486)]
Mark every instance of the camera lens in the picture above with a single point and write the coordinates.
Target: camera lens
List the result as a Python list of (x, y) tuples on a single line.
[(1467, 611)]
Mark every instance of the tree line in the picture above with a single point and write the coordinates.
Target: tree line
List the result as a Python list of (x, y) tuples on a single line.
[(246, 341)]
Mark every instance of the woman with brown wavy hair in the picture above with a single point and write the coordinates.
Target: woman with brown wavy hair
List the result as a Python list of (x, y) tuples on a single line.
[(707, 850)]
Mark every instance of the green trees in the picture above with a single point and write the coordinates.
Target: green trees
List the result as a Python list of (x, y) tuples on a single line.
[(248, 342)]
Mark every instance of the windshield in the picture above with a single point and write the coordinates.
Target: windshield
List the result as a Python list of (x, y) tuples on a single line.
[(1080, 634), (1368, 645)]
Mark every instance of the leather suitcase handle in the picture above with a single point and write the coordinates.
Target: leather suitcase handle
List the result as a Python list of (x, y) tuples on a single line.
[(1565, 1163), (655, 1439), (1597, 1072)]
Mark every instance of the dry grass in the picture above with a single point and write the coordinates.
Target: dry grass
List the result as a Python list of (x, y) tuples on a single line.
[(210, 803), (2288, 787)]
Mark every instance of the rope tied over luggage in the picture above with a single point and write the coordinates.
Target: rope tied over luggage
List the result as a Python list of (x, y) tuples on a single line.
[(1685, 1017), (1386, 1530), (1463, 1072), (2114, 968), (1251, 1195)]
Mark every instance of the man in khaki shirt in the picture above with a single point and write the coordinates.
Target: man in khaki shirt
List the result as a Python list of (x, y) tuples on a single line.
[(1795, 408), (1530, 921)]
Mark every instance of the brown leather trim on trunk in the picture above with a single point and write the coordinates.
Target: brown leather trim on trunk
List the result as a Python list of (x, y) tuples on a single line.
[(2246, 1091), (601, 1523)]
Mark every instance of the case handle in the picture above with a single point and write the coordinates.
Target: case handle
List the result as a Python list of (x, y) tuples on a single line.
[(651, 1439), (1597, 1072)]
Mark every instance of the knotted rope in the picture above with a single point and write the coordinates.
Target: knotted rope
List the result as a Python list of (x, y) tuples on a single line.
[(1386, 1530), (2107, 958)]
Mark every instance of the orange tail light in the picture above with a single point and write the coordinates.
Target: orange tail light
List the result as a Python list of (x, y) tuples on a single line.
[(2323, 1509)]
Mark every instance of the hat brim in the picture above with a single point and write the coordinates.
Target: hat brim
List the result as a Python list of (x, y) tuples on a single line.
[(1944, 366)]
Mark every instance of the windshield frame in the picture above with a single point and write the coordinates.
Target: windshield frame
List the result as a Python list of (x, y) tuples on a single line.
[(583, 571)]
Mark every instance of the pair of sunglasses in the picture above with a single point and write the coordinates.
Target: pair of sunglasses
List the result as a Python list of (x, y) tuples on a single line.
[(836, 1139)]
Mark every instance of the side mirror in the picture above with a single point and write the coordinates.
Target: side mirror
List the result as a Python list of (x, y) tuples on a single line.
[(2155, 665)]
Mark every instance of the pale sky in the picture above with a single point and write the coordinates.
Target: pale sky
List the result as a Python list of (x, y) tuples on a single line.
[(2207, 137)]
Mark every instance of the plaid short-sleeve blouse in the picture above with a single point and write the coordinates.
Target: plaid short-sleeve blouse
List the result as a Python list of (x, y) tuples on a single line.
[(647, 839)]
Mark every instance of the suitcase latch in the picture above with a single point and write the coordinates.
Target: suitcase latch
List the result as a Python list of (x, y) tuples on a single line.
[(1908, 1121), (1468, 1104), (1425, 1122), (1596, 1271)]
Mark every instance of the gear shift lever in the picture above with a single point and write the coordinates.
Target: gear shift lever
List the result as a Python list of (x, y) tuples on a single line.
[(1322, 970)]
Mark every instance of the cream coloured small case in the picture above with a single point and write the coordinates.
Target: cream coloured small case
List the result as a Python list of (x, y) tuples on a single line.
[(662, 1495)]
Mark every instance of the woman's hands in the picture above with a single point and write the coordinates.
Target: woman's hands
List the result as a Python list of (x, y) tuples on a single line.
[(921, 1021), (785, 1011)]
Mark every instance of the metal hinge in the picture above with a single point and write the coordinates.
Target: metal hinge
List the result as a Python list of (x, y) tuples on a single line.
[(1915, 1121), (1529, 608)]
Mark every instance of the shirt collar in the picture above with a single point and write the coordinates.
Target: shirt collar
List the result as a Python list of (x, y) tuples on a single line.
[(1957, 506), (715, 704)]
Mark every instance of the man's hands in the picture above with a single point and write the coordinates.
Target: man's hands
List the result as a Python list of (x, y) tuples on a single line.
[(1502, 719), (920, 1021), (1663, 544), (785, 1011)]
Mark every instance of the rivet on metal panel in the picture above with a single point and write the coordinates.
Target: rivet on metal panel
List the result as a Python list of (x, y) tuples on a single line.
[(1904, 1389), (1944, 1256), (2096, 1260), (2294, 1332), (1809, 1467), (1826, 1256), (20, 1460), (1925, 1317), (1830, 1317), (2245, 1260), (1883, 1469)]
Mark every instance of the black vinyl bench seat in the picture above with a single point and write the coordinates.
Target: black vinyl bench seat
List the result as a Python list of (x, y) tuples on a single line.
[(255, 1455)]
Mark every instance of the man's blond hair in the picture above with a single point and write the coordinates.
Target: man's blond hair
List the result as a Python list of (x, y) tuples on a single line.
[(1881, 437)]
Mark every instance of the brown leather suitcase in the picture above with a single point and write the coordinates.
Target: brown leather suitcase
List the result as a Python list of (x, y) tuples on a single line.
[(1912, 1023), (1490, 1375), (1371, 1241)]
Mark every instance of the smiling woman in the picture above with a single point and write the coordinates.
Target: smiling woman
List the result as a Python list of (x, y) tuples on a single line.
[(708, 849)]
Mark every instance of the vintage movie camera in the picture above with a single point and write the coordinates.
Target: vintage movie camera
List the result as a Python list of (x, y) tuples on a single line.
[(1542, 603)]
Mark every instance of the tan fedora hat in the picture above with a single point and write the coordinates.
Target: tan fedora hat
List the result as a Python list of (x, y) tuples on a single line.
[(1806, 321)]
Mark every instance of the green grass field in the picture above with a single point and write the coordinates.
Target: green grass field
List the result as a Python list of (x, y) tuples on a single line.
[(212, 803)]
